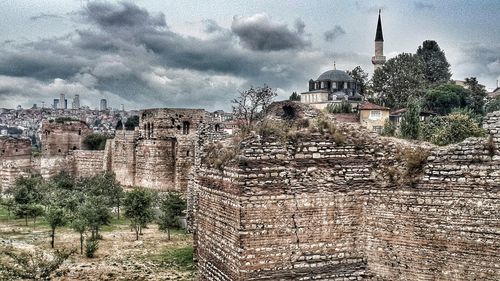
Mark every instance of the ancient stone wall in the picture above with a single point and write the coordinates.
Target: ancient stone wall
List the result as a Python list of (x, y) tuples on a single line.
[(121, 157), (60, 138), (355, 208), (87, 163), (15, 160)]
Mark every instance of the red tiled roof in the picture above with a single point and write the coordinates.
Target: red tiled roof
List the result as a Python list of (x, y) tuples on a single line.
[(371, 106)]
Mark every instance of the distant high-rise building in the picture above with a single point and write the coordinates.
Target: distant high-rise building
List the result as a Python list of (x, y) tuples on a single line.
[(63, 104), (76, 102), (56, 104), (103, 105), (122, 107)]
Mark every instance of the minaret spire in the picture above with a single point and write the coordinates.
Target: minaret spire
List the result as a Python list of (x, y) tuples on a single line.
[(379, 59), (379, 36)]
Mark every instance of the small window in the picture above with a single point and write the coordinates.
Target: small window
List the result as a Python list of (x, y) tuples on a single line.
[(17, 150), (79, 132), (185, 127), (59, 150), (378, 129), (187, 153), (74, 147), (375, 115)]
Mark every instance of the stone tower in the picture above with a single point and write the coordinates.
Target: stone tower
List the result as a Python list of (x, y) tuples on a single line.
[(378, 59)]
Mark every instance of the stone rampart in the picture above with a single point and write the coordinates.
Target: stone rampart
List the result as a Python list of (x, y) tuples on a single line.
[(358, 207), (15, 160)]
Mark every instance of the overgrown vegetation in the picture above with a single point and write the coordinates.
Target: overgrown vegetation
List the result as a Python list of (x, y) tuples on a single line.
[(453, 128), (62, 120), (342, 107), (32, 265), (172, 207), (95, 141)]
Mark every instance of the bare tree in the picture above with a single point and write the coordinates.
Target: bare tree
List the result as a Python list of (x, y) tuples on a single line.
[(251, 102)]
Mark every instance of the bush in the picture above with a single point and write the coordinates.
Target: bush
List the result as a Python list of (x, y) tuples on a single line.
[(415, 160), (95, 141), (218, 156), (456, 127), (91, 247), (389, 129), (343, 107), (16, 264)]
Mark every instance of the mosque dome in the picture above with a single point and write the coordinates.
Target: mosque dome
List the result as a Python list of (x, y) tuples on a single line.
[(335, 75)]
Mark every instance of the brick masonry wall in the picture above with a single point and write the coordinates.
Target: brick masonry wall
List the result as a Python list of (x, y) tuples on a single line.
[(15, 160), (86, 162), (318, 210)]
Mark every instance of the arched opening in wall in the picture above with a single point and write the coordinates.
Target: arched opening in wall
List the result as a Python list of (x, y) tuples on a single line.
[(79, 132), (145, 131), (289, 112), (17, 150), (152, 130), (59, 150), (74, 147), (217, 127), (148, 132), (179, 127), (187, 153), (185, 127), (172, 120)]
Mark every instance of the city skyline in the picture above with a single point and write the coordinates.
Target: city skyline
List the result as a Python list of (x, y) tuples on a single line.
[(160, 53)]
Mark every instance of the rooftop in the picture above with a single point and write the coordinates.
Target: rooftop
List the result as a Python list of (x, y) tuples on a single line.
[(335, 75)]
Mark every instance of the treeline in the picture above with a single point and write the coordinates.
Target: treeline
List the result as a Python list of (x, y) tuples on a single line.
[(86, 204)]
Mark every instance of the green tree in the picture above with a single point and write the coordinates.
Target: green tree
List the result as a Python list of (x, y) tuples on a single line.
[(294, 97), (400, 79), (476, 100), (26, 193), (410, 122), (55, 218), (453, 128), (80, 225), (436, 67), (95, 141), (138, 206), (172, 206), (131, 123), (95, 212), (34, 211), (360, 77), (9, 204), (444, 98), (119, 125)]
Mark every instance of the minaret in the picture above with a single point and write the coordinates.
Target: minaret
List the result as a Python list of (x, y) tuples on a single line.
[(378, 59)]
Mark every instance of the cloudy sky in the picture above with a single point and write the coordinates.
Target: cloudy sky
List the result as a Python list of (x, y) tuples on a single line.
[(162, 53)]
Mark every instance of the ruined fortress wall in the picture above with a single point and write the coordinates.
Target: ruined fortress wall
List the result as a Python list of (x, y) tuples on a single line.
[(87, 163), (155, 164), (15, 160), (447, 227), (317, 210), (60, 138), (219, 209), (121, 152), (185, 158)]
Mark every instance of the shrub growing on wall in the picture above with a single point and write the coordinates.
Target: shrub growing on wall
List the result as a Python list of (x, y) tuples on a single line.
[(95, 142), (453, 128)]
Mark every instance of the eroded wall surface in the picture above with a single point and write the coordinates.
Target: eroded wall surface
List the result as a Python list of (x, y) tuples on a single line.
[(326, 208), (15, 160)]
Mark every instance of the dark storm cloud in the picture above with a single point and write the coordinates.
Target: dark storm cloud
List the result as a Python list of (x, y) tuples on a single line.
[(130, 56), (423, 5), (122, 15), (259, 33), (45, 16), (334, 33)]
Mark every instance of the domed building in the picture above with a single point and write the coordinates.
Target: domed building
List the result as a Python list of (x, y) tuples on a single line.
[(333, 86)]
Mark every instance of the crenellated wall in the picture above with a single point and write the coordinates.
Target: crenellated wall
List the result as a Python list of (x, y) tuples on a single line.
[(360, 207)]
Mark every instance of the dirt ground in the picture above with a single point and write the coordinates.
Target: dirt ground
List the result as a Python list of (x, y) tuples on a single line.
[(119, 257)]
